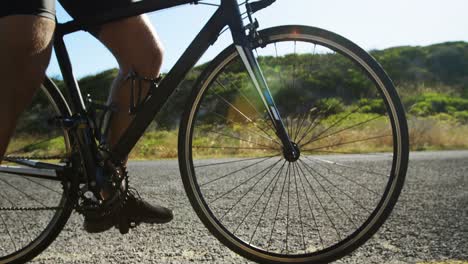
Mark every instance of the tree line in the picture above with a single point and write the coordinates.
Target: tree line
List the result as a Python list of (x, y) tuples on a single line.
[(431, 80)]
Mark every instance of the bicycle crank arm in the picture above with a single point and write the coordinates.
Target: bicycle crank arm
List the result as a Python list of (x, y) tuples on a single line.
[(261, 86)]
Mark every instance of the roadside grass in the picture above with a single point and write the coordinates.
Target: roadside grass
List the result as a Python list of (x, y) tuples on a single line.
[(220, 140), (437, 133), (37, 145), (156, 145), (426, 133)]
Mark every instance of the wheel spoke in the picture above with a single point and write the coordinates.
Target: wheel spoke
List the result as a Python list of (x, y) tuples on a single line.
[(246, 99), (227, 147), (383, 154), (291, 135), (277, 176), (287, 212), (42, 185), (20, 219), (237, 109), (246, 193), (346, 143), (342, 130), (31, 146), (25, 194), (279, 72), (266, 136), (299, 210), (306, 114), (299, 125), (308, 203), (349, 167), (244, 182), (228, 162), (312, 125), (336, 187), (238, 138), (319, 201), (236, 171), (7, 231), (333, 125), (258, 199), (279, 203), (310, 169)]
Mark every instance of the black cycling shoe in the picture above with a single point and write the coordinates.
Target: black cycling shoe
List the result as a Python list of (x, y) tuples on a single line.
[(139, 211), (133, 212)]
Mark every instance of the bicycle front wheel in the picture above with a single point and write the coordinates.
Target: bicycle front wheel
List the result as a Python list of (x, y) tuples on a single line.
[(343, 114), (35, 203)]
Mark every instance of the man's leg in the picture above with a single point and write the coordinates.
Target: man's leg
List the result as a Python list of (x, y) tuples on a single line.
[(136, 46), (25, 47)]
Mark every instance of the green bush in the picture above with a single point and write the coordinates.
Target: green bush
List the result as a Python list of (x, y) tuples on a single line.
[(435, 103), (461, 116), (371, 106), (330, 105)]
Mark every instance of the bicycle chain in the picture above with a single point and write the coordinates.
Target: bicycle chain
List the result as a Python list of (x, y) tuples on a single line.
[(14, 208)]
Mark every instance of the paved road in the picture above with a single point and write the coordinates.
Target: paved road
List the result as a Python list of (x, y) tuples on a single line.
[(430, 222)]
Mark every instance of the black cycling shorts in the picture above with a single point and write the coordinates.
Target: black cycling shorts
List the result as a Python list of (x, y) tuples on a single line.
[(46, 8)]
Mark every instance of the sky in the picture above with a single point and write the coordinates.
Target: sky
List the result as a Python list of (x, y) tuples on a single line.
[(372, 24)]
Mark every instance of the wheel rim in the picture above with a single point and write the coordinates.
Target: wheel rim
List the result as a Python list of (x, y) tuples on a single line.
[(31, 208), (310, 171)]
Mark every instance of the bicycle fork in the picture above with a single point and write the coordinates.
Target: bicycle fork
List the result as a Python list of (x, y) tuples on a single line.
[(242, 42), (291, 151)]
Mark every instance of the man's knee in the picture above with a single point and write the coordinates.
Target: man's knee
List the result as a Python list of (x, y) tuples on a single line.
[(148, 63), (135, 45)]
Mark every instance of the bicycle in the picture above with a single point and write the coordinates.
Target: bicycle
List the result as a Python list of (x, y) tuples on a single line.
[(275, 181)]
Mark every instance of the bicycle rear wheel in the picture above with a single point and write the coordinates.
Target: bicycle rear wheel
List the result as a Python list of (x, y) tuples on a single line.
[(35, 204), (344, 115)]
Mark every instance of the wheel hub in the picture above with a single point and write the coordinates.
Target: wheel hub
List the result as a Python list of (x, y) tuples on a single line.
[(292, 156)]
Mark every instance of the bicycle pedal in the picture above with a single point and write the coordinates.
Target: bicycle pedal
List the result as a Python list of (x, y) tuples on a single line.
[(133, 224), (66, 122), (125, 224)]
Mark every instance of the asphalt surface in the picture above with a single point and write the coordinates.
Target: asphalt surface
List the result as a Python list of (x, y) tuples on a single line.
[(428, 224)]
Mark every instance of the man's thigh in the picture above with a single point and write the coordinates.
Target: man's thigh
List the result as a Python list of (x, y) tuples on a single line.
[(132, 40), (25, 35), (26, 25)]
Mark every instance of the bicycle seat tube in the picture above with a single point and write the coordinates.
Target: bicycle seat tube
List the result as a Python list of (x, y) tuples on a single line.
[(242, 43)]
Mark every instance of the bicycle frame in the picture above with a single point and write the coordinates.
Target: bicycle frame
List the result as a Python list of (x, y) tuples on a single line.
[(228, 14)]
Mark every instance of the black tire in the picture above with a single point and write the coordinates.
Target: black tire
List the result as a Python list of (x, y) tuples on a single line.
[(65, 191), (398, 164)]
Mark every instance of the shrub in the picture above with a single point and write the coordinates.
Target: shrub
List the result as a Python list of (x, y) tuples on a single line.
[(429, 104), (330, 105), (372, 106)]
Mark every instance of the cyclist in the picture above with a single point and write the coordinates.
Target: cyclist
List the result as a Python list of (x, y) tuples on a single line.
[(26, 37)]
